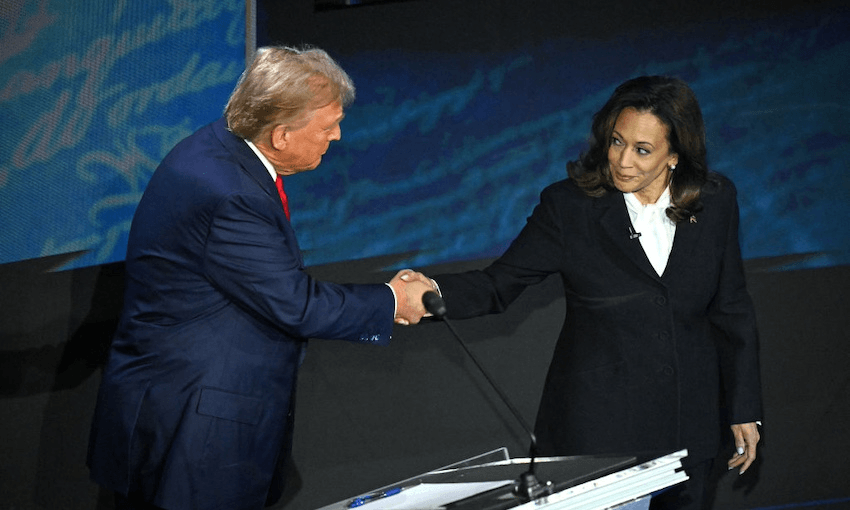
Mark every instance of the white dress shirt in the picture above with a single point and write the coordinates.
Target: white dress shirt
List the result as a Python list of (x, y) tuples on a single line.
[(264, 159), (655, 228)]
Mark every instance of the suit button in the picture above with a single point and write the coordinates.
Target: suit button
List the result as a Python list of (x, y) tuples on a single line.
[(667, 370), (660, 300), (664, 336)]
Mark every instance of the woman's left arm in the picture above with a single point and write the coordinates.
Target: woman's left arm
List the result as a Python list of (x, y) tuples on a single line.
[(733, 313)]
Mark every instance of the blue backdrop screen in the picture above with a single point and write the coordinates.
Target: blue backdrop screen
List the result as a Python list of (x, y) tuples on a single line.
[(93, 93), (443, 155)]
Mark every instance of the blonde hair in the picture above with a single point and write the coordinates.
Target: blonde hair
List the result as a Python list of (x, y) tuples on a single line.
[(285, 86)]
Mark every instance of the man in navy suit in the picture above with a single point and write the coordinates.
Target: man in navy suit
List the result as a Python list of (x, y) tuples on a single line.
[(195, 407)]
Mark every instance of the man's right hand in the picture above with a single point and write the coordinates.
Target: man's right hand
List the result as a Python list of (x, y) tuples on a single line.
[(409, 286)]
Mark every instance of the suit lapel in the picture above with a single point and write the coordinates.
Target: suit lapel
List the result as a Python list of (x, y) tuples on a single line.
[(614, 219), (257, 171), (684, 243), (247, 159)]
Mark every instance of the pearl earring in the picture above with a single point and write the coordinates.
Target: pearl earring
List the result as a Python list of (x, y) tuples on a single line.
[(672, 167)]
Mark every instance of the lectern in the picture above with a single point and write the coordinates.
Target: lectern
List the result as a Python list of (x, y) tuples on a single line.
[(486, 482)]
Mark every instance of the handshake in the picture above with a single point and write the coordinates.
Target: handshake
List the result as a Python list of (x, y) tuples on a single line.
[(409, 286)]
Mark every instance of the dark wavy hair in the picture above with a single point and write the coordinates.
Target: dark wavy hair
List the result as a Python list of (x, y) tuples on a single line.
[(676, 106)]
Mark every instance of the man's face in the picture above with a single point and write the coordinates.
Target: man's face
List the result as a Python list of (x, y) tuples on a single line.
[(306, 146)]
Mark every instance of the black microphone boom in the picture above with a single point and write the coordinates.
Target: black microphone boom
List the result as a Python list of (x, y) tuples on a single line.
[(528, 486)]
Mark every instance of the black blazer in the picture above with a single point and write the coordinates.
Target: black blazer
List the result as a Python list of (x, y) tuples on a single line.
[(640, 358)]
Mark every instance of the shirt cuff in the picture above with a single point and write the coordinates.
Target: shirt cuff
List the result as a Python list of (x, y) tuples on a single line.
[(436, 287), (395, 299)]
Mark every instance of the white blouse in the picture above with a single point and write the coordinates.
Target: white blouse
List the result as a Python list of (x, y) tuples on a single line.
[(653, 228)]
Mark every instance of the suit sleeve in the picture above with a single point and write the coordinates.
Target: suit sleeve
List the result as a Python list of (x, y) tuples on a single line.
[(249, 258), (531, 257), (733, 313)]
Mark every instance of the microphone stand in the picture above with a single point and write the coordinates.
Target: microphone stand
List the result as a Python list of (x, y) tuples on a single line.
[(527, 486)]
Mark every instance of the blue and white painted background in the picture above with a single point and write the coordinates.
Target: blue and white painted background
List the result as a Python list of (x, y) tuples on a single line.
[(443, 155), (93, 93)]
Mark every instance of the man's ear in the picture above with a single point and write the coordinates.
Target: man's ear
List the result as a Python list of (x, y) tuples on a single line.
[(279, 137)]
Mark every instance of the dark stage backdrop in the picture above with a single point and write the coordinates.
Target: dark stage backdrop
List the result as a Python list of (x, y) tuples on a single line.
[(466, 110)]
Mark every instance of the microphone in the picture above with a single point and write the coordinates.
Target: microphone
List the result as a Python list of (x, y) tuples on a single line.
[(633, 234), (527, 486), (434, 304)]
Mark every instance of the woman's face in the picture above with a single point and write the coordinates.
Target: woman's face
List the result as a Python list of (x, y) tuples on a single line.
[(639, 155)]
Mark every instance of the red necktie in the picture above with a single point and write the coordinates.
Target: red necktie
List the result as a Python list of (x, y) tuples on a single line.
[(279, 184)]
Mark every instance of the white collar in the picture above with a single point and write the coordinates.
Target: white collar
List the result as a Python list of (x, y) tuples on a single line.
[(635, 206), (264, 159), (654, 229)]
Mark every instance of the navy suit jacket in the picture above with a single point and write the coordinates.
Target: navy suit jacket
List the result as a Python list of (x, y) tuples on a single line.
[(195, 402), (641, 357)]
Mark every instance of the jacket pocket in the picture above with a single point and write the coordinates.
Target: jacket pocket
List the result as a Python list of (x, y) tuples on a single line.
[(230, 406)]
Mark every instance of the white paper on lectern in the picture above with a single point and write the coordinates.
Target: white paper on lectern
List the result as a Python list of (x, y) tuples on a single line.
[(433, 495)]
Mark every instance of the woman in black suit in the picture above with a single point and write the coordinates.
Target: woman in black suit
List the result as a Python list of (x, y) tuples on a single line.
[(658, 318)]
